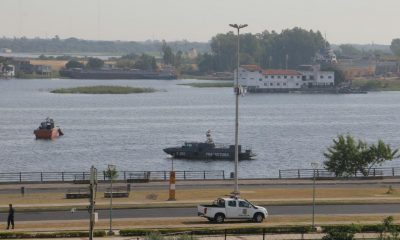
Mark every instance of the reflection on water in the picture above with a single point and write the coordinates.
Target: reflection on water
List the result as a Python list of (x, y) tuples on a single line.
[(285, 130)]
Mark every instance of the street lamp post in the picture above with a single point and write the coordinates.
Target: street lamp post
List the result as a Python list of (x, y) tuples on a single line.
[(314, 165), (237, 93), (111, 171)]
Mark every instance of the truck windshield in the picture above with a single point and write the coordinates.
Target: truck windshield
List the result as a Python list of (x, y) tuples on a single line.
[(250, 203)]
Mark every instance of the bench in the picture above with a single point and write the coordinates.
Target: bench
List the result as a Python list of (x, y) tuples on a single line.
[(77, 193), (118, 192)]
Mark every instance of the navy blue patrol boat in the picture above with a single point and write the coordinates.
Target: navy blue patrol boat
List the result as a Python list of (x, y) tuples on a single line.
[(208, 150)]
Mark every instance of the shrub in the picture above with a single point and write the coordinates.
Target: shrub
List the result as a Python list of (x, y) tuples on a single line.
[(19, 235), (336, 235), (154, 236)]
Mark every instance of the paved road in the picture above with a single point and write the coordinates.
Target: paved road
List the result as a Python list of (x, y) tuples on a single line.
[(191, 212)]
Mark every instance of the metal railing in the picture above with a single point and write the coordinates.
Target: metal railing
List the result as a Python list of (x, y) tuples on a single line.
[(122, 176), (323, 173)]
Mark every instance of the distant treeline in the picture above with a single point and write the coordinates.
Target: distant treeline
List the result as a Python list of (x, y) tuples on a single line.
[(288, 49), (74, 45)]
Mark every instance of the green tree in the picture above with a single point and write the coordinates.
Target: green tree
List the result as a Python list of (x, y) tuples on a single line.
[(347, 156), (168, 55), (111, 174), (344, 156), (348, 50), (206, 63), (146, 62), (94, 63), (73, 64), (395, 47), (376, 155), (125, 63)]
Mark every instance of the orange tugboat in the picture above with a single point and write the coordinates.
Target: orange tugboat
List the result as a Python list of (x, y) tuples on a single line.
[(47, 130)]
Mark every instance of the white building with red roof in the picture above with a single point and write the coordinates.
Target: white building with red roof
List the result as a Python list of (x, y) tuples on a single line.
[(256, 79)]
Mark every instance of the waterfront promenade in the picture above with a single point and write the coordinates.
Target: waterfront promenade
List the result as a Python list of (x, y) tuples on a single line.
[(40, 198)]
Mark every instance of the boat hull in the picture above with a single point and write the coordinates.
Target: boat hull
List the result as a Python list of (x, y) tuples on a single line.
[(209, 154), (47, 133)]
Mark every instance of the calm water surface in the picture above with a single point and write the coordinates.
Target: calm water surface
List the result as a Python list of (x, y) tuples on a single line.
[(285, 130)]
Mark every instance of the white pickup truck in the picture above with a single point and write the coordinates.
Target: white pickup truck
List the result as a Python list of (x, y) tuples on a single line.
[(231, 208)]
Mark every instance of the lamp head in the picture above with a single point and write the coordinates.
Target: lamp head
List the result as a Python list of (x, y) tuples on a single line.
[(234, 25)]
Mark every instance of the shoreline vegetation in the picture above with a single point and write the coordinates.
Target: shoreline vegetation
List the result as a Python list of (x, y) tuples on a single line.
[(389, 84), (102, 89)]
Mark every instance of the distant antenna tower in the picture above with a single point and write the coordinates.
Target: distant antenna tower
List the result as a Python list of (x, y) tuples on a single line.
[(286, 61), (269, 62), (98, 20), (20, 18)]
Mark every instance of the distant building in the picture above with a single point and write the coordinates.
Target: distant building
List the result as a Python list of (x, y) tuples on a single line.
[(7, 70), (23, 66), (325, 55), (43, 69), (353, 68), (5, 50), (256, 79), (387, 68), (192, 53)]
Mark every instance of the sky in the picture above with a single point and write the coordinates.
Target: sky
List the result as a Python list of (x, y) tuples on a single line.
[(343, 21)]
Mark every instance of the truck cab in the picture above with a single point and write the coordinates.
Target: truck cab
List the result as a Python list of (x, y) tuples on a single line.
[(232, 208)]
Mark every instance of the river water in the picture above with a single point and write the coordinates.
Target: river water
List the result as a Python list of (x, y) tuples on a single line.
[(130, 131)]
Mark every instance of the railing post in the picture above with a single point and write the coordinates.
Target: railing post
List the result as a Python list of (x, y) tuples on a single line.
[(184, 175), (355, 173), (223, 174), (374, 171), (165, 175), (62, 176), (298, 173), (263, 233), (317, 172), (124, 175), (280, 176), (41, 176), (204, 176), (393, 171), (20, 177), (83, 175)]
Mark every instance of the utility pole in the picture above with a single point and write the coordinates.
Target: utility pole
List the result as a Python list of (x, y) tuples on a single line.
[(112, 173), (93, 188), (237, 93), (314, 165)]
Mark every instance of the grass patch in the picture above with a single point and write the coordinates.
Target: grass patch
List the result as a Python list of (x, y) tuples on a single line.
[(198, 223), (104, 90), (209, 85)]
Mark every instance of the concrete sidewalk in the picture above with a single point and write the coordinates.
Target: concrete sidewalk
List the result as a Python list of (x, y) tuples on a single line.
[(213, 183), (310, 236)]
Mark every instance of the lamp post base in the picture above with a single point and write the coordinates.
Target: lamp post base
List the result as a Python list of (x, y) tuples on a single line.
[(110, 233)]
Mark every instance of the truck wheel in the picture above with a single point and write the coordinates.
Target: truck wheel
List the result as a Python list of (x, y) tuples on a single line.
[(219, 218), (258, 217)]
